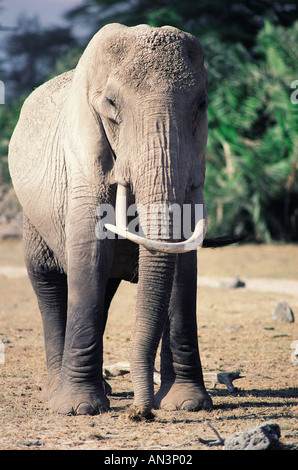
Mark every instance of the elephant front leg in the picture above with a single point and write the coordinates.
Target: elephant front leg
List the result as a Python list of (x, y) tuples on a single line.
[(81, 389), (182, 385)]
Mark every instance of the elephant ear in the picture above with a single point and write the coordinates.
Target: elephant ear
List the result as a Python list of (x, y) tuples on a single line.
[(195, 54), (87, 147), (194, 50)]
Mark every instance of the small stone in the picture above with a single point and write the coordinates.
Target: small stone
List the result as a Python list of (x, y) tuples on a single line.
[(233, 284), (113, 370), (260, 437), (283, 312)]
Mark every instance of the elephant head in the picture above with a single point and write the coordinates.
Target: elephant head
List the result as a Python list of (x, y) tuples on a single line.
[(139, 116), (146, 89)]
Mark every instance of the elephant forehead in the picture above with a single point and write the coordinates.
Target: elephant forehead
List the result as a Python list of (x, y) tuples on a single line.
[(157, 57)]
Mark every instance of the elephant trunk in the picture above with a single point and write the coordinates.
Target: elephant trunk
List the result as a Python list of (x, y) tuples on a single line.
[(160, 186), (156, 273)]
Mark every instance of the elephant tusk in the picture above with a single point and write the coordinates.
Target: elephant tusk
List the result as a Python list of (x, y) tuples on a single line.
[(121, 206), (193, 243)]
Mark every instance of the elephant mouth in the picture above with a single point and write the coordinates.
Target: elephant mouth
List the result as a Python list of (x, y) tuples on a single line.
[(194, 242)]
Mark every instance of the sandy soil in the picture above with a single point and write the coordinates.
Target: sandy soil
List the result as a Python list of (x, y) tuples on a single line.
[(236, 331)]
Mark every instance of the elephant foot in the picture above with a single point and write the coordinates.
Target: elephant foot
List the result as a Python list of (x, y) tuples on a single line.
[(79, 402), (183, 396)]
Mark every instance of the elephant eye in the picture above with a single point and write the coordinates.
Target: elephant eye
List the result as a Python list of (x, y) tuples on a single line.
[(111, 102), (112, 111)]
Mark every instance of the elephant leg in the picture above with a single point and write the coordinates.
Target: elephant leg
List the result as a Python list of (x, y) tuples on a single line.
[(81, 388), (50, 286), (182, 385)]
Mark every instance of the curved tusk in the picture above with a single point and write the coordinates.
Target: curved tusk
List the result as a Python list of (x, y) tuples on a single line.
[(193, 243)]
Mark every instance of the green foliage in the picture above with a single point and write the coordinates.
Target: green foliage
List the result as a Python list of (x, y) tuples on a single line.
[(252, 158), (165, 16)]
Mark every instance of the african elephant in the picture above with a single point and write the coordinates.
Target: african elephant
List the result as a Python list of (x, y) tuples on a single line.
[(132, 116)]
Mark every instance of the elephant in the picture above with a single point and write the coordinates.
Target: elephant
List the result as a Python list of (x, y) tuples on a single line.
[(129, 123)]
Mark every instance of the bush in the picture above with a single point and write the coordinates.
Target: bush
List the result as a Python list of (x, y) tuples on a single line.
[(252, 161)]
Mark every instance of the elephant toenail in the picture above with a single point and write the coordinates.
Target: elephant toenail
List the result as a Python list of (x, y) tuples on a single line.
[(189, 405), (85, 409), (103, 409), (66, 409), (169, 407)]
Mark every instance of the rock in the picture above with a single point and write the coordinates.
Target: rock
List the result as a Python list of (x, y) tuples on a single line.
[(294, 355), (225, 378), (260, 437), (122, 368), (114, 370), (283, 312), (233, 284)]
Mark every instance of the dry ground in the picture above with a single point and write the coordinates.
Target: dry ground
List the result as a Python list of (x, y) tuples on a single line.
[(236, 331)]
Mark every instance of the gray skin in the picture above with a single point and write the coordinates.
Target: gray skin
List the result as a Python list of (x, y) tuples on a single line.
[(132, 112)]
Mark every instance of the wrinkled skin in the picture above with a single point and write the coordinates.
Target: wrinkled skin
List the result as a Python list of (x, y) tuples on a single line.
[(132, 112)]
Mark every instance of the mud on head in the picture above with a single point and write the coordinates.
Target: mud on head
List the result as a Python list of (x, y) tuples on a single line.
[(148, 57)]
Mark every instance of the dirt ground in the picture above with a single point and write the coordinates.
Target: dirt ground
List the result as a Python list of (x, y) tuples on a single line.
[(236, 332)]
